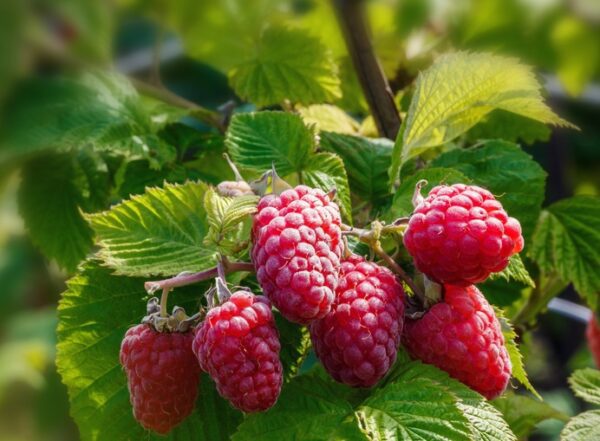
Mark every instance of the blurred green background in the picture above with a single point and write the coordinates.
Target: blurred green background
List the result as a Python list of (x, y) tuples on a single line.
[(198, 41)]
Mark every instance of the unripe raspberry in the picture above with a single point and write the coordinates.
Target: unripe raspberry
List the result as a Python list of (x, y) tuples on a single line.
[(357, 340), (459, 234), (296, 251), (238, 345), (593, 338), (462, 336), (162, 375)]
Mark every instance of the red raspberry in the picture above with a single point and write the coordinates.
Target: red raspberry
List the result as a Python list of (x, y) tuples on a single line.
[(238, 345), (162, 374), (462, 336), (460, 234), (593, 338), (358, 340), (297, 248)]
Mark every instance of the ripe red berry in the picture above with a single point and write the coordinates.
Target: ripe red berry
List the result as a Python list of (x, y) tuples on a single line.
[(162, 375), (238, 345), (593, 338), (297, 248), (357, 340), (460, 234), (462, 336)]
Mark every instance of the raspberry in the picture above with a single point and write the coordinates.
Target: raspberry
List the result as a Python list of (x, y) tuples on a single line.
[(357, 340), (462, 336), (162, 375), (593, 338), (238, 345), (460, 234), (297, 248)]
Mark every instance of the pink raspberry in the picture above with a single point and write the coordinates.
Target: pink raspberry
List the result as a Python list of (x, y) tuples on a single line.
[(357, 340), (238, 345), (297, 249), (462, 336), (593, 338), (460, 234), (162, 375)]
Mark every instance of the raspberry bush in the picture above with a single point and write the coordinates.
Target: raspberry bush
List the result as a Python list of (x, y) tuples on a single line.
[(339, 263)]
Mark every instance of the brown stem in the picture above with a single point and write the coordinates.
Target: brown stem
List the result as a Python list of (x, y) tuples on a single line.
[(375, 86), (397, 269), (185, 279)]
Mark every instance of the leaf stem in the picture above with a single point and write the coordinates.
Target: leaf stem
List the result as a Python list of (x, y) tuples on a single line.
[(185, 279), (375, 86), (397, 269), (547, 287)]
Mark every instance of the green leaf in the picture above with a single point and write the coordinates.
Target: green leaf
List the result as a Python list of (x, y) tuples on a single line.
[(523, 413), (516, 358), (508, 172), (366, 161), (457, 91), (326, 171), (295, 344), (326, 117), (515, 271), (49, 201), (160, 232), (94, 314), (500, 124), (287, 64), (101, 110), (402, 202), (586, 385), (583, 427), (487, 424), (229, 220), (259, 140), (567, 241)]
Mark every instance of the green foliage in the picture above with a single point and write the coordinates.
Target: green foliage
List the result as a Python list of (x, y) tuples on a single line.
[(515, 271), (523, 413), (94, 314), (500, 124), (508, 172), (326, 117), (567, 242), (457, 92), (258, 141), (159, 232), (271, 76), (586, 425), (50, 201)]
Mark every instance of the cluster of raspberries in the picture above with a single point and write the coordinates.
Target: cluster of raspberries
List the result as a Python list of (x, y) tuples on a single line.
[(354, 309)]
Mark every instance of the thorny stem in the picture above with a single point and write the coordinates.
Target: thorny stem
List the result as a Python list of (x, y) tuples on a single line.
[(185, 279)]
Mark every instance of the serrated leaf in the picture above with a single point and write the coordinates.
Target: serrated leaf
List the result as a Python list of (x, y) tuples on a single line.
[(583, 427), (415, 410), (326, 171), (567, 241), (229, 220), (515, 271), (160, 232), (508, 172), (486, 422), (402, 202), (326, 117), (260, 140), (49, 201), (586, 385), (288, 64), (457, 91), (516, 358), (508, 126), (94, 314), (366, 161), (523, 413)]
